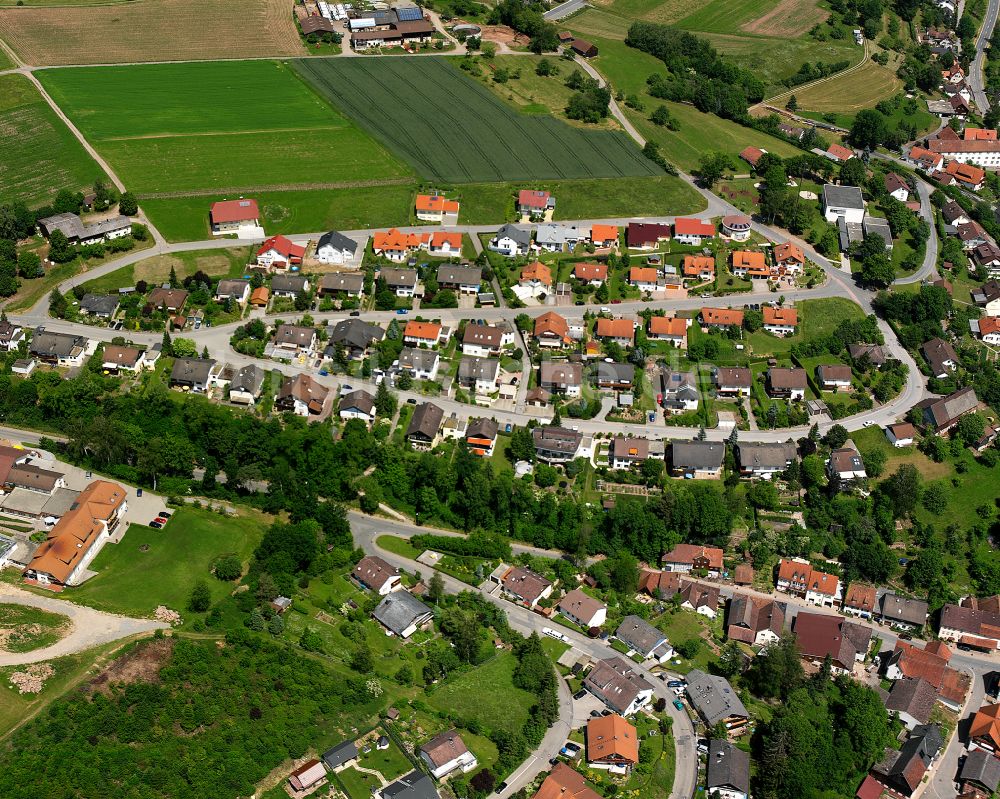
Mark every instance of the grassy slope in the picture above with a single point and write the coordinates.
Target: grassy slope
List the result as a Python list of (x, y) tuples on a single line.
[(862, 88), (179, 555), (39, 155), (38, 628), (487, 694), (816, 318)]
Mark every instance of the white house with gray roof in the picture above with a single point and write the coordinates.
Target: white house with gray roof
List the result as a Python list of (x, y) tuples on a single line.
[(715, 700), (402, 614), (511, 241), (421, 364), (644, 639), (335, 248), (727, 772)]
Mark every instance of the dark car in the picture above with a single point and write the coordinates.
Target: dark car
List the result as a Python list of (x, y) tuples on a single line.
[(553, 761), (156, 524), (501, 788), (595, 714), (411, 401), (675, 684), (166, 514), (355, 313)]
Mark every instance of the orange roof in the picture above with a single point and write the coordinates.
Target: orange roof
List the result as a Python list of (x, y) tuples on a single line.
[(604, 233), (693, 227), (440, 238), (694, 265), (537, 271), (425, 331), (615, 328), (551, 323), (642, 274), (565, 783), (986, 724), (590, 271), (260, 295), (989, 324), (751, 155), (77, 531), (722, 316), (967, 173), (395, 240), (437, 203), (920, 153), (781, 316), (916, 662), (688, 553), (979, 134), (837, 151), (613, 739), (789, 252), (748, 259), (667, 326), (234, 211), (802, 573)]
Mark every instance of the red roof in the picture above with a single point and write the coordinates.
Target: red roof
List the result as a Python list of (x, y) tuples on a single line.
[(989, 324), (283, 247), (642, 274), (527, 198), (837, 151), (688, 553), (590, 271), (440, 238), (722, 316), (672, 326), (967, 173), (789, 252), (435, 202), (751, 155), (226, 211), (693, 227)]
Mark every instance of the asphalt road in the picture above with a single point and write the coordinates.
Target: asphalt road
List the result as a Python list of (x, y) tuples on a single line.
[(977, 81)]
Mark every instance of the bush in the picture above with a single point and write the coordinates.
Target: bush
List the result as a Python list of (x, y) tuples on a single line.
[(228, 568)]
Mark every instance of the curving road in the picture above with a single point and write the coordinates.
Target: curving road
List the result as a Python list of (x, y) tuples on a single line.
[(977, 81)]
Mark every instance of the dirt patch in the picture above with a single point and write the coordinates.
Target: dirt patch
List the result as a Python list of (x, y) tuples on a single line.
[(141, 665), (789, 19), (501, 34)]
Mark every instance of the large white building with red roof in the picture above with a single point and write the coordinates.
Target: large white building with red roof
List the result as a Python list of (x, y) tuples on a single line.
[(279, 254), (228, 216)]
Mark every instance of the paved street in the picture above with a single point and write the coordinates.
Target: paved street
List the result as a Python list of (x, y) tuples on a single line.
[(977, 81)]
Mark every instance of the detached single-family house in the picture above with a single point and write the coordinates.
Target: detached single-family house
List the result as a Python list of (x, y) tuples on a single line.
[(987, 329), (233, 289), (446, 753), (376, 575), (415, 785), (435, 208), (302, 395), (425, 426), (646, 235), (628, 452), (612, 743), (789, 257), (279, 253), (194, 374), (715, 700), (228, 216), (463, 279), (308, 776), (787, 383), (733, 381), (167, 299), (699, 267), (780, 321), (737, 227), (689, 557), (357, 405), (482, 375), (834, 377), (750, 264), (58, 349), (943, 414), (582, 609), (511, 241), (295, 339), (620, 331), (246, 385), (617, 684), (561, 377), (941, 357), (446, 244), (537, 277), (846, 464), (897, 187), (644, 639), (924, 159), (692, 231), (764, 460), (11, 335), (401, 282), (672, 329), (979, 774), (727, 771), (699, 460), (354, 335), (535, 203), (754, 620), (118, 358), (590, 273), (102, 306), (290, 286), (340, 755), (901, 435), (484, 341), (402, 614), (481, 437), (819, 636), (524, 586), (552, 331), (680, 392), (335, 248), (721, 317), (644, 278), (422, 334), (396, 245), (556, 444), (420, 364)]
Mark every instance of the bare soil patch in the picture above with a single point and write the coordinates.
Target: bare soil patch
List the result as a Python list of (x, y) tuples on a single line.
[(501, 34), (789, 19), (150, 30), (141, 665)]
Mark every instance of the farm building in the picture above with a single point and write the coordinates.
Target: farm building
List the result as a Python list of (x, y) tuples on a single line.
[(230, 216)]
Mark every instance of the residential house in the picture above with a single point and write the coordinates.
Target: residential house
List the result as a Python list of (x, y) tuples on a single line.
[(335, 248), (780, 321), (582, 609), (628, 452), (699, 267), (870, 354), (693, 557), (896, 187), (481, 375), (246, 385), (420, 364), (425, 425), (644, 639), (563, 782), (968, 176), (58, 349), (279, 253), (679, 392), (302, 395), (979, 775), (537, 277), (987, 256), (693, 231), (228, 216), (396, 246), (447, 752), (987, 297), (646, 235), (700, 460), (843, 202), (561, 377), (350, 284), (941, 357), (604, 236), (376, 575), (954, 215), (972, 235), (402, 614), (789, 257), (435, 208), (415, 785), (511, 241), (30, 476), (11, 335), (839, 154), (834, 377), (754, 620), (556, 238), (860, 600), (444, 244), (924, 159), (984, 731), (987, 328), (552, 330), (672, 329), (903, 770), (357, 405), (752, 155), (102, 306), (401, 282), (787, 383), (119, 358), (591, 274), (846, 464), (535, 203), (484, 341), (422, 334), (620, 331), (612, 743), (743, 574), (619, 686), (290, 286), (737, 227), (733, 381), (341, 755), (798, 577), (524, 586), (644, 278), (74, 541), (295, 340), (556, 444), (764, 460), (912, 701), (750, 264), (702, 599), (463, 279), (727, 771), (194, 374), (901, 435), (233, 289), (715, 700), (943, 414), (355, 336), (309, 776), (819, 636), (721, 317), (932, 664), (902, 612)]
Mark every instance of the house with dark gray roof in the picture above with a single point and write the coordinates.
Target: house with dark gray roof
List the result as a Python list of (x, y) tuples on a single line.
[(697, 459), (58, 349), (421, 364), (77, 232), (415, 785), (289, 285), (619, 686), (912, 700), (556, 444), (194, 374), (463, 279), (981, 770), (511, 240), (642, 637), (350, 283), (903, 770), (103, 306), (764, 459), (901, 611), (843, 202), (943, 414), (357, 405), (340, 755), (715, 700), (246, 385), (355, 336), (402, 614), (727, 772), (335, 248)]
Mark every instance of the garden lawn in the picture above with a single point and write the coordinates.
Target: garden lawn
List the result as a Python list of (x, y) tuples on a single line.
[(134, 582), (40, 155), (683, 626), (486, 694), (391, 762), (230, 262), (816, 318), (358, 784), (397, 546)]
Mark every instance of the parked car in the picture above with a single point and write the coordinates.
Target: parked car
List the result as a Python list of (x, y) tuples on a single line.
[(580, 694), (675, 684), (678, 704), (355, 313), (411, 401), (156, 524), (403, 312), (166, 513), (501, 788)]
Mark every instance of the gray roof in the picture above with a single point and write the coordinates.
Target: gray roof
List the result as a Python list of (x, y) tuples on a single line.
[(714, 698), (53, 344), (911, 611), (248, 379), (639, 634), (340, 754), (338, 241), (450, 274), (945, 411), (616, 683), (231, 287), (355, 333), (74, 228), (614, 372), (343, 281), (876, 226), (982, 768), (560, 439), (415, 785), (706, 455), (296, 335), (105, 304), (472, 368), (728, 767), (400, 610), (913, 697), (192, 370), (520, 235), (399, 277), (360, 400), (426, 421), (951, 211), (842, 196), (417, 359), (289, 283)]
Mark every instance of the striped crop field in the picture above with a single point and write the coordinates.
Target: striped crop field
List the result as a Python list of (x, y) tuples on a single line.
[(452, 129)]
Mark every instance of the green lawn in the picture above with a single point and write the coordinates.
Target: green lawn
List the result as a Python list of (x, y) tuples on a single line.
[(391, 762), (486, 694), (24, 628), (228, 262), (40, 155), (398, 546), (683, 626), (816, 318), (358, 784), (160, 567), (728, 16)]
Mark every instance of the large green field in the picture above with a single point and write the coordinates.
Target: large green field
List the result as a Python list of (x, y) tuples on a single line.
[(190, 126), (486, 694), (450, 128), (39, 155), (160, 567)]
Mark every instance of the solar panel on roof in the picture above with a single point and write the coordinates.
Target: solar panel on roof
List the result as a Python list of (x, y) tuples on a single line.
[(409, 14)]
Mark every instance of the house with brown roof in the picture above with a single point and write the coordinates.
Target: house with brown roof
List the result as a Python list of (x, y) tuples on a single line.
[(564, 782), (901, 435), (481, 436), (446, 753), (425, 426), (743, 574), (619, 686), (307, 777), (846, 465), (591, 274), (78, 536), (912, 701), (561, 377), (786, 382), (690, 557), (733, 381), (974, 623), (903, 770), (119, 358), (819, 636), (754, 620), (943, 414), (552, 330), (628, 452), (798, 577), (860, 600), (582, 609), (752, 155), (522, 585), (302, 395), (834, 377), (941, 357), (377, 575), (170, 300), (932, 664), (612, 744)]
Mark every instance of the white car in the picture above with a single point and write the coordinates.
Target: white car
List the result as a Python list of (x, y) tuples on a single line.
[(605, 309), (869, 423)]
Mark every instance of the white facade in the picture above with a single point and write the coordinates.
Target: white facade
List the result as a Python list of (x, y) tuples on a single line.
[(328, 254), (823, 600), (465, 762)]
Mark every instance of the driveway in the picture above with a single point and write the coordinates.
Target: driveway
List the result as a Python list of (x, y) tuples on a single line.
[(90, 627)]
